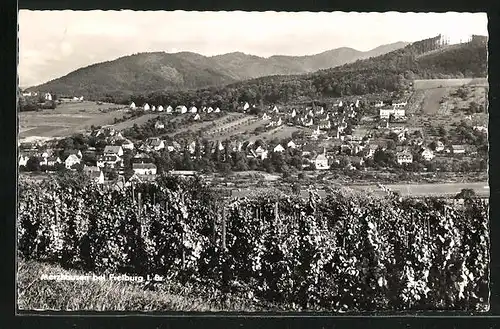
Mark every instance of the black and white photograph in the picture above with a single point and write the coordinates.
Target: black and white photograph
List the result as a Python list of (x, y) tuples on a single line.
[(249, 162)]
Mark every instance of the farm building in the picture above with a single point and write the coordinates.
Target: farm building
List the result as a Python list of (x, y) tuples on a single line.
[(193, 109), (246, 106), (160, 109), (113, 149), (217, 110), (71, 160), (210, 110), (197, 117), (404, 157), (144, 168), (291, 144), (48, 97), (169, 109), (266, 116), (94, 173), (146, 107)]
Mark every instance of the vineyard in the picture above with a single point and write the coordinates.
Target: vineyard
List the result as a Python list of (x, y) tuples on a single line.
[(345, 252)]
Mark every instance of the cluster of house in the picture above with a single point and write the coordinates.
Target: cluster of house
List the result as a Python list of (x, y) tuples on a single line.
[(46, 96), (180, 109), (328, 122)]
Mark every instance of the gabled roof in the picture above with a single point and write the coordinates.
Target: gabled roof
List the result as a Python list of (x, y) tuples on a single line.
[(143, 166), (112, 149)]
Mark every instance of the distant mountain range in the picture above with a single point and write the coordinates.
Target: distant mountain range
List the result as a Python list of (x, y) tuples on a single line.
[(159, 71)]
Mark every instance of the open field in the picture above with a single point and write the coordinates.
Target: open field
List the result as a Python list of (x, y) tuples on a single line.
[(143, 119), (196, 126), (66, 119), (412, 190), (437, 83), (442, 106), (242, 130)]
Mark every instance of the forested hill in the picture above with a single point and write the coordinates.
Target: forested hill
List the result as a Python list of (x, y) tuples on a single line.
[(386, 73), (146, 72)]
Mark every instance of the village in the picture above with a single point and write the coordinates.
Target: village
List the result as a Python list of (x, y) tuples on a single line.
[(346, 136)]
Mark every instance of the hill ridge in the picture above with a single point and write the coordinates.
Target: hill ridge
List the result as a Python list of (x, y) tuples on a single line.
[(159, 70)]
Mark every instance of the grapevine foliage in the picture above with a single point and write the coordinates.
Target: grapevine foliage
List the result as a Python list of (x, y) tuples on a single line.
[(344, 253)]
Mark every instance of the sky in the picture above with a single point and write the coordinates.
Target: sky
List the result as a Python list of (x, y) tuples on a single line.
[(55, 43)]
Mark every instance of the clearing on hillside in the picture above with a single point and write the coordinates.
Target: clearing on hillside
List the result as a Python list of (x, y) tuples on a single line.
[(442, 83), (66, 119)]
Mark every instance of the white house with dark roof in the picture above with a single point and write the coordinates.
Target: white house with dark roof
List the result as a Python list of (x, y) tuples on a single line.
[(144, 168), (155, 143), (181, 109), (278, 148), (71, 160), (23, 160), (439, 146), (321, 162)]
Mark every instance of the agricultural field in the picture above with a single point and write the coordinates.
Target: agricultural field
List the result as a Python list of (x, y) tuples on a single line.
[(280, 132), (197, 126), (143, 119), (66, 119), (444, 102)]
